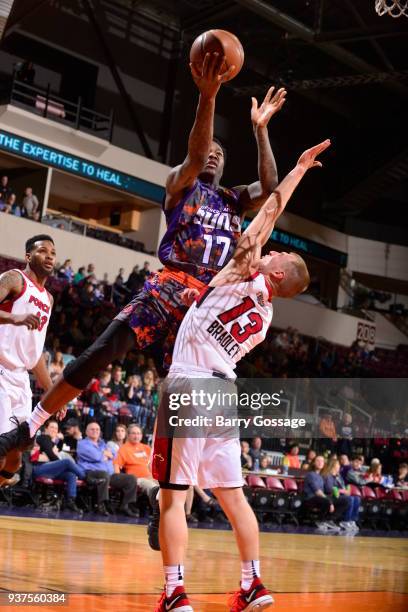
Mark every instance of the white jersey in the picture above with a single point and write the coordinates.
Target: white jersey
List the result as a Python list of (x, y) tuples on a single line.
[(20, 347), (223, 325)]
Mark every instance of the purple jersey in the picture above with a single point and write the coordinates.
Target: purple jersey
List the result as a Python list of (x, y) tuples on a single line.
[(202, 231)]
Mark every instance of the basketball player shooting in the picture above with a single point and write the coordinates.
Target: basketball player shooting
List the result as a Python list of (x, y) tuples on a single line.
[(203, 227), (236, 307), (25, 310)]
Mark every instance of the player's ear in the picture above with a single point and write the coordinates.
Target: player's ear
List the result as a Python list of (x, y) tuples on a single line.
[(278, 276)]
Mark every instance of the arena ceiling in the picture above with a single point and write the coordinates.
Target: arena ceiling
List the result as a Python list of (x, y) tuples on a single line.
[(346, 70)]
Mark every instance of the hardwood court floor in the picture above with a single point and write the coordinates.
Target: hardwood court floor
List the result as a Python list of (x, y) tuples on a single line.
[(106, 566)]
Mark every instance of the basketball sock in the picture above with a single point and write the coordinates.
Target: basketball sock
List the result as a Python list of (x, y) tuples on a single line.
[(249, 571), (37, 418), (174, 575)]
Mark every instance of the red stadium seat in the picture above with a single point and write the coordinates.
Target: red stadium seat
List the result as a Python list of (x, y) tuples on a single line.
[(255, 481), (405, 495), (290, 485), (355, 491), (274, 483), (368, 493)]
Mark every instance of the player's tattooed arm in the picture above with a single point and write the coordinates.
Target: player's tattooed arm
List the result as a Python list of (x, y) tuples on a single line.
[(11, 285), (253, 196)]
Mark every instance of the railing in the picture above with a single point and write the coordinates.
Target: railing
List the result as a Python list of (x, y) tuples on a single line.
[(48, 104), (76, 226)]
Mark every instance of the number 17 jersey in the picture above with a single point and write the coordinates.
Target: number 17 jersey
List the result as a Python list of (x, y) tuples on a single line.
[(202, 231), (223, 325)]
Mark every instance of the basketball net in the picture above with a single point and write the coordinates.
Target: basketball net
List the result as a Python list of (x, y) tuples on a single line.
[(394, 8)]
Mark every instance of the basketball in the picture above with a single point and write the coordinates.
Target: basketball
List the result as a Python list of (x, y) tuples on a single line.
[(222, 42)]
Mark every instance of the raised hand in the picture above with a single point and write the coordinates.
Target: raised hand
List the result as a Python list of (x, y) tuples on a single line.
[(308, 158), (210, 78), (260, 115)]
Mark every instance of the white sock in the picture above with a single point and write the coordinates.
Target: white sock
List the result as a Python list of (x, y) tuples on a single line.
[(174, 575), (37, 418), (249, 571)]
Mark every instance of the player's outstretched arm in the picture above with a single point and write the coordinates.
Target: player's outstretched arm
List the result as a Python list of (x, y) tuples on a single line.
[(208, 81), (11, 285), (254, 195), (248, 252), (262, 225)]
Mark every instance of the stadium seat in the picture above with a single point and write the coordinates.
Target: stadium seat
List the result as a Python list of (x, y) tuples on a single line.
[(355, 491), (274, 483), (255, 481)]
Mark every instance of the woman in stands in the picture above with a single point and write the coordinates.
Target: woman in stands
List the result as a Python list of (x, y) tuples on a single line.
[(335, 486), (374, 472), (118, 438), (48, 464), (331, 509)]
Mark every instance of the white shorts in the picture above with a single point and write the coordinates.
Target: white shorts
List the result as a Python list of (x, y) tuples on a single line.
[(15, 397), (209, 462)]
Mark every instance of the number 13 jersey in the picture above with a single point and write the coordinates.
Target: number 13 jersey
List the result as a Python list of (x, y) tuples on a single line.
[(223, 325)]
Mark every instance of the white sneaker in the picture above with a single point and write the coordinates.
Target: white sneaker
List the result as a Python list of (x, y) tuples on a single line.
[(354, 526), (327, 527), (347, 526), (333, 527)]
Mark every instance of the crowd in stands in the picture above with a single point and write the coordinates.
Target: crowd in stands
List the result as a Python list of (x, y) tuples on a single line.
[(27, 205), (72, 456)]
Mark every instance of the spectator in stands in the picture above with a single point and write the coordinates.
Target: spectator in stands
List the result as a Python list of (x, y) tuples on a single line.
[(292, 456), (96, 459), (56, 365), (46, 463), (144, 272), (344, 460), (335, 486), (374, 472), (134, 395), (90, 269), (134, 281), (330, 508), (133, 458), (5, 190), (264, 463), (72, 435), (255, 452), (87, 295), (327, 430), (117, 388), (246, 459), (79, 276), (310, 457), (353, 473), (118, 438), (31, 204), (344, 445), (66, 271), (401, 478), (12, 206)]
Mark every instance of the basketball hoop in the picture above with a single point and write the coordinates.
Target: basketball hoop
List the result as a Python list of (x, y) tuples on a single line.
[(394, 8)]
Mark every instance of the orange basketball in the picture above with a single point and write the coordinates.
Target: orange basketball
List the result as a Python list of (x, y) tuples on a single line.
[(222, 42)]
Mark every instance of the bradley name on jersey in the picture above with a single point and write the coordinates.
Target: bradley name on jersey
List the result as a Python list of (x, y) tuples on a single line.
[(224, 338)]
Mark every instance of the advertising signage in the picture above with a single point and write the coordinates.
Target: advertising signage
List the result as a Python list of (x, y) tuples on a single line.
[(78, 166)]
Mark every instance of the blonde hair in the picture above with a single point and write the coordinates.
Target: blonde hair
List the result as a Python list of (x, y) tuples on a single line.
[(296, 280), (327, 470)]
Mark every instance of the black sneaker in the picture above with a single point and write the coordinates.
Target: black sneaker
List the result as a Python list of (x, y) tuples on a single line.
[(70, 504), (153, 528), (16, 439)]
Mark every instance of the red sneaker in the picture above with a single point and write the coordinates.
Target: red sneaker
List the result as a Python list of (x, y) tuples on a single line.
[(178, 601), (255, 598)]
